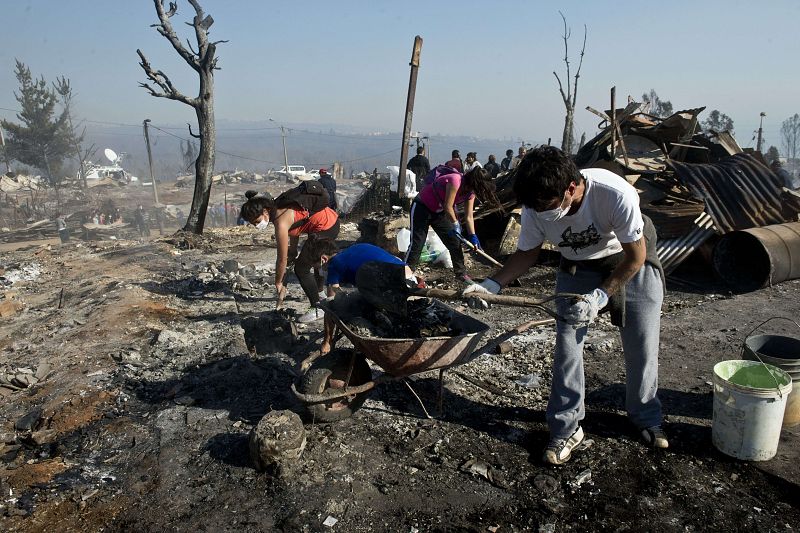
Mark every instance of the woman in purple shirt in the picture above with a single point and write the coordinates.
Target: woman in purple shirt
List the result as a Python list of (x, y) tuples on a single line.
[(434, 207)]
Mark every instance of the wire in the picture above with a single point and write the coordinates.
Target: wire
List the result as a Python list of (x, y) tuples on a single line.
[(217, 151)]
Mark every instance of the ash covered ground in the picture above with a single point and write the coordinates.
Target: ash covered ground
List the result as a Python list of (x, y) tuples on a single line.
[(138, 370)]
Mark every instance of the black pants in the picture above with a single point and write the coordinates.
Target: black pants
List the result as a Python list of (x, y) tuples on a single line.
[(421, 219), (303, 267)]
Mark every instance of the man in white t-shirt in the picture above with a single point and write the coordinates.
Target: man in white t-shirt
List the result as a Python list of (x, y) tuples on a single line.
[(608, 251)]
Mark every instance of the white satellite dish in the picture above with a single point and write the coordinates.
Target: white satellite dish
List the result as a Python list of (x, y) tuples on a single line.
[(111, 155)]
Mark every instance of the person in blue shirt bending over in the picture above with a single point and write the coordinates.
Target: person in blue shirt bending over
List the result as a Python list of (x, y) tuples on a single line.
[(342, 267)]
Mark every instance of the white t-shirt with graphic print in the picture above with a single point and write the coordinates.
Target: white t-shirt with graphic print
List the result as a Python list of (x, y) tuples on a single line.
[(609, 215)]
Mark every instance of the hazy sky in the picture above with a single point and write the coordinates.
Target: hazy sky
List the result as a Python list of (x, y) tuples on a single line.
[(486, 66)]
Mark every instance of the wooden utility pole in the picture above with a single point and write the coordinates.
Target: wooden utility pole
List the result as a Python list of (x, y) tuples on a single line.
[(613, 123), (412, 89), (760, 131), (150, 159)]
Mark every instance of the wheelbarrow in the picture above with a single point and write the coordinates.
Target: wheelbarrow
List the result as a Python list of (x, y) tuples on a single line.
[(334, 385)]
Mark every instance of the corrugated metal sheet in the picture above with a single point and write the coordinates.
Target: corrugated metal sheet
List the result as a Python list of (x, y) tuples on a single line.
[(672, 252), (739, 191)]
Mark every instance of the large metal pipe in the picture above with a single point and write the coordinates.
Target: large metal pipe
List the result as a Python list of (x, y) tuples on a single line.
[(754, 258)]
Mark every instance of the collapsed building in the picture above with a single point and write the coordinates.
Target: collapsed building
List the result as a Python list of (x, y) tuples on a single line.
[(702, 190)]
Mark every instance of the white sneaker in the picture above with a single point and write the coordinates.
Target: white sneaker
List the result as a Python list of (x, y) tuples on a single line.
[(312, 315), (655, 437), (559, 451)]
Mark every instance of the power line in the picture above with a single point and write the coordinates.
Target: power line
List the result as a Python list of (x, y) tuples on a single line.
[(218, 151)]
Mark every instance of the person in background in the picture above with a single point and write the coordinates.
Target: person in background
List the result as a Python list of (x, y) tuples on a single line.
[(492, 166), (516, 161), (140, 218), (329, 183), (505, 164), (455, 162), (608, 254), (290, 222), (160, 218), (61, 226), (471, 162), (420, 166), (434, 207)]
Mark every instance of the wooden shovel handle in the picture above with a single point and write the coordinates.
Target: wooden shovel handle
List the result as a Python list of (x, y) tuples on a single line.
[(499, 299)]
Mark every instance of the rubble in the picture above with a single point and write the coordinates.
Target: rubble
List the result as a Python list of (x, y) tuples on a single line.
[(277, 441), (422, 320), (156, 381)]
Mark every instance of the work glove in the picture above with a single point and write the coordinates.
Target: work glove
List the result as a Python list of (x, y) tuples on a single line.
[(585, 310), (474, 292), (455, 231), (475, 242)]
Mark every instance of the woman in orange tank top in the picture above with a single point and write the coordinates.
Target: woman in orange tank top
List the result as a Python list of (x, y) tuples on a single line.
[(290, 223)]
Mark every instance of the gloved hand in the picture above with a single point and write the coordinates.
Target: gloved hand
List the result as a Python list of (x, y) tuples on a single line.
[(584, 311), (455, 230), (474, 292), (475, 242)]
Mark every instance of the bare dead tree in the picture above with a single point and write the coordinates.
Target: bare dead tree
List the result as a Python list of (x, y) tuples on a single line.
[(570, 96), (202, 60)]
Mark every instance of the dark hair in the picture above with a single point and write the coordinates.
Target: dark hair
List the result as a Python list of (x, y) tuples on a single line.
[(420, 150), (543, 175), (319, 247), (255, 205), (491, 157), (455, 154), (509, 152), (480, 181)]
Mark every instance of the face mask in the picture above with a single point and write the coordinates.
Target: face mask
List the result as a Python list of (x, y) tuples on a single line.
[(552, 215), (262, 225)]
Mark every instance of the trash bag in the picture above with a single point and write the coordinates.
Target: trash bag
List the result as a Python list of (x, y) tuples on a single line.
[(411, 181)]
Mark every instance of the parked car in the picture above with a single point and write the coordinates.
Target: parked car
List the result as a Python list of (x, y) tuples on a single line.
[(294, 170)]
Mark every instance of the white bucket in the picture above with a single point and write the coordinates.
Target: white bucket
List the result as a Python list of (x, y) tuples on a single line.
[(749, 401)]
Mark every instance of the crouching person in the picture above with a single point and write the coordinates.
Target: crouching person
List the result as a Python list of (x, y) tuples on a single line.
[(608, 255), (356, 265)]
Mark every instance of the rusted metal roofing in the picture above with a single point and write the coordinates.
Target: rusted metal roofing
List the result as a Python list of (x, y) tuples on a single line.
[(740, 192), (672, 252)]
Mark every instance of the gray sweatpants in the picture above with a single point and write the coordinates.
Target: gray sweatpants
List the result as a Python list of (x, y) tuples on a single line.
[(640, 338)]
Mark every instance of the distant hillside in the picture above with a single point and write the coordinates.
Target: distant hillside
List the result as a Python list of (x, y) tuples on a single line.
[(258, 147)]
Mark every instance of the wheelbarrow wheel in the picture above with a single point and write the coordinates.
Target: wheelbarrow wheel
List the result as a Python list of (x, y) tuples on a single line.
[(330, 372)]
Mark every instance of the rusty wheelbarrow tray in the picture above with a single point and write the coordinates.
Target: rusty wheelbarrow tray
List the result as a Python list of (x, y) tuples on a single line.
[(403, 357)]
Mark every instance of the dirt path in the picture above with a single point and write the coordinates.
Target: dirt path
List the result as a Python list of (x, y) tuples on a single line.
[(161, 365)]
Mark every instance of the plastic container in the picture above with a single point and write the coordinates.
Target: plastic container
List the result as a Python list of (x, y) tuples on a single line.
[(749, 402), (783, 352)]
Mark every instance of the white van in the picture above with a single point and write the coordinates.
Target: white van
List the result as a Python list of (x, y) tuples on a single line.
[(294, 170)]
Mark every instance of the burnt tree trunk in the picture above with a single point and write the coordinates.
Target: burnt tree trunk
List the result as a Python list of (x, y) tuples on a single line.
[(568, 137), (204, 164), (203, 62), (570, 96)]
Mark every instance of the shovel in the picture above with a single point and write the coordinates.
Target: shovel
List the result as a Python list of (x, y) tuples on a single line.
[(385, 287), (478, 251)]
